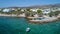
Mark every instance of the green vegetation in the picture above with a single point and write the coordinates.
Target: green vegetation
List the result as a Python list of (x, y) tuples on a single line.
[(51, 14), (54, 13), (57, 13), (39, 12), (29, 12)]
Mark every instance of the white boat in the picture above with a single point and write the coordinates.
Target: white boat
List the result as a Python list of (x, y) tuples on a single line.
[(27, 29)]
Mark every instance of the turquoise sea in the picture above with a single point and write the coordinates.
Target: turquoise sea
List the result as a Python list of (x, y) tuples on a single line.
[(13, 25)]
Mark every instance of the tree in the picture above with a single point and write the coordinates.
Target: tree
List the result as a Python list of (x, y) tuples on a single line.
[(29, 13), (18, 12), (54, 13), (39, 12), (57, 13), (51, 14), (27, 9)]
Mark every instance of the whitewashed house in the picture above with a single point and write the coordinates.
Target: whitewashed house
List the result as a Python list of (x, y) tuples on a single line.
[(22, 10), (46, 11), (6, 10), (12, 8), (34, 10), (55, 9)]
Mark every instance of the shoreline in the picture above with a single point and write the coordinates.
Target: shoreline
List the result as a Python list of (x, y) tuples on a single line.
[(49, 19), (12, 15)]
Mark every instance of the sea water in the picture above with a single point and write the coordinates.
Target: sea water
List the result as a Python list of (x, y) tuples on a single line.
[(13, 25)]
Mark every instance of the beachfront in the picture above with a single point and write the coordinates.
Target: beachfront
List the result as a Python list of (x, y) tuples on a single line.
[(13, 15), (42, 19), (33, 15)]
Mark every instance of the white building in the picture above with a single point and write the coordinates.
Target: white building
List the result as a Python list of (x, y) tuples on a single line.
[(12, 8), (6, 10), (55, 9), (22, 10), (34, 10), (46, 11)]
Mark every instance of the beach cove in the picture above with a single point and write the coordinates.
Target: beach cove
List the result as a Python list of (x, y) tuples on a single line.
[(11, 25)]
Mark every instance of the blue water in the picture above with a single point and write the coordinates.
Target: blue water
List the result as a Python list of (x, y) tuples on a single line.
[(12, 25)]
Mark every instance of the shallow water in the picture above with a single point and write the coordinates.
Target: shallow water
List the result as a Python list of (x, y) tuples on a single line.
[(12, 25)]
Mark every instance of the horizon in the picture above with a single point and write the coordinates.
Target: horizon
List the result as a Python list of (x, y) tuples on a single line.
[(26, 3)]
